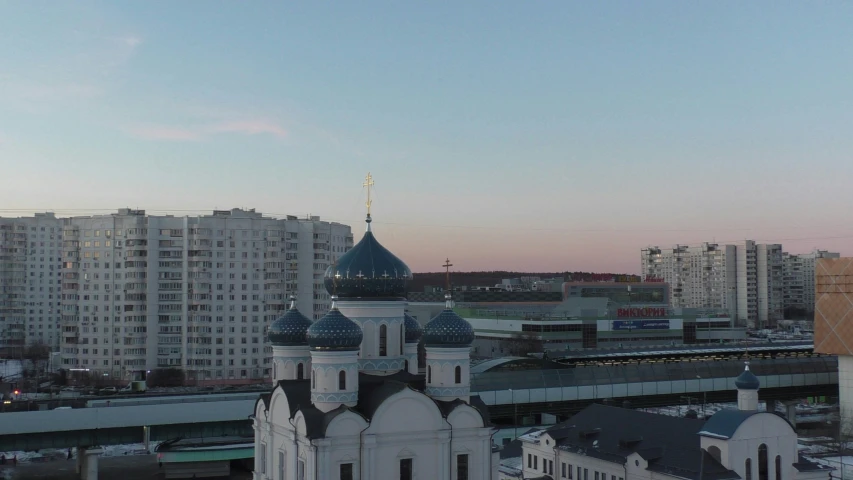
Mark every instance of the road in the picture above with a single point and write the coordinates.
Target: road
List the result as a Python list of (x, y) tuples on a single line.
[(131, 467)]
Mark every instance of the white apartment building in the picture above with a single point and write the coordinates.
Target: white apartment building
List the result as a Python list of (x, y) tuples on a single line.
[(799, 278), (29, 282), (748, 278), (141, 292)]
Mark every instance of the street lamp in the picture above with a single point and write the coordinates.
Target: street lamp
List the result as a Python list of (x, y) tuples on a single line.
[(514, 414)]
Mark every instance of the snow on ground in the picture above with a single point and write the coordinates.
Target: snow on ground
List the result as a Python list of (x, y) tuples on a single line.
[(50, 454), (10, 368)]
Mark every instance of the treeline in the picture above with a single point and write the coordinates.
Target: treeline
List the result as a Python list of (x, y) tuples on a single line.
[(485, 279)]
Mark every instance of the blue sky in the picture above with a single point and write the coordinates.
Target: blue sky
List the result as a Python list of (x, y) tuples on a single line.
[(505, 135)]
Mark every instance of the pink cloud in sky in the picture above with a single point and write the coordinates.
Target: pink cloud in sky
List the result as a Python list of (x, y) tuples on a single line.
[(245, 127), (250, 127), (163, 133)]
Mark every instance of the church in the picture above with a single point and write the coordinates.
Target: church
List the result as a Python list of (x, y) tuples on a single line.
[(349, 401), (611, 443)]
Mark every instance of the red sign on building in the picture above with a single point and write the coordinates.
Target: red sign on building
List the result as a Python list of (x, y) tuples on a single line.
[(641, 312)]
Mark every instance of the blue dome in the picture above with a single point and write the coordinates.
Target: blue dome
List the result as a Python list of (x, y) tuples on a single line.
[(334, 332), (290, 329), (448, 330), (414, 332), (747, 381), (368, 270)]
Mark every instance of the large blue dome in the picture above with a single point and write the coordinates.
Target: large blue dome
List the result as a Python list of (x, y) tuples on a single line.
[(334, 332), (448, 329), (414, 332), (290, 329), (368, 270)]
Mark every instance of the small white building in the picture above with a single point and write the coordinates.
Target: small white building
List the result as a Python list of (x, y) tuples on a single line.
[(349, 402), (610, 443)]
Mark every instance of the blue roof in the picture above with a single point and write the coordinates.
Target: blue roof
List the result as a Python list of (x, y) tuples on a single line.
[(334, 332), (290, 329), (448, 329), (414, 331), (747, 381), (368, 270), (725, 423)]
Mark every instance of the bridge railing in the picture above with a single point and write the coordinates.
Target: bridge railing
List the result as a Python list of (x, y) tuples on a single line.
[(649, 372)]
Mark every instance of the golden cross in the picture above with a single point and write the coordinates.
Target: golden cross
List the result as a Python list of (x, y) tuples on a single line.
[(368, 182), (447, 266)]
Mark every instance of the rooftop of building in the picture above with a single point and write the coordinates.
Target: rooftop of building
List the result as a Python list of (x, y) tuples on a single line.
[(373, 390)]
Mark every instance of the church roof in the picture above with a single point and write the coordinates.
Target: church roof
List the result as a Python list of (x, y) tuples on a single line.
[(448, 329), (334, 332), (747, 380), (368, 270), (290, 329), (373, 390), (669, 444), (414, 331)]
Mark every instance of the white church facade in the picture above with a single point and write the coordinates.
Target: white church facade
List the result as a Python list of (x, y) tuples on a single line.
[(348, 402)]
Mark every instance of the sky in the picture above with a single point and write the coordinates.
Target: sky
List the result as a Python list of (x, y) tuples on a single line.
[(530, 136)]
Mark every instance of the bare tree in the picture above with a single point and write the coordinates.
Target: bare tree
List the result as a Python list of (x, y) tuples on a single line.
[(520, 344)]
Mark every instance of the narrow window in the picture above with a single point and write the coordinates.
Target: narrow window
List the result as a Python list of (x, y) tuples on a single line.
[(529, 461), (383, 340), (300, 470), (579, 473), (342, 380), (405, 365), (402, 338), (300, 372), (313, 379), (263, 465), (762, 462), (585, 474), (462, 467), (778, 467), (406, 469), (596, 475), (458, 375), (429, 373), (535, 462), (274, 371), (747, 465), (281, 465), (346, 471)]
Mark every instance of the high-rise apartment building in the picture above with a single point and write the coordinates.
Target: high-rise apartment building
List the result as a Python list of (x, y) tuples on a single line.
[(29, 282), (756, 282), (195, 292), (799, 279)]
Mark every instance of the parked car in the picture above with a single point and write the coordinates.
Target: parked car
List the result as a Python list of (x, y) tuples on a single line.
[(108, 391)]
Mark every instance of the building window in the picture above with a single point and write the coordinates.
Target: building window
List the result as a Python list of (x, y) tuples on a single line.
[(313, 379), (747, 465), (342, 380), (778, 467), (405, 365), (585, 474), (535, 462), (579, 473), (458, 374), (596, 475), (529, 461), (762, 462), (300, 372), (383, 340), (429, 375), (406, 469), (274, 370), (281, 465), (346, 471), (462, 467), (263, 459), (563, 469), (300, 470)]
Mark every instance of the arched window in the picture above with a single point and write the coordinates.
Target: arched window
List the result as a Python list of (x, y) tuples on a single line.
[(747, 465), (274, 370), (778, 467), (763, 471), (383, 340), (300, 372), (458, 374), (716, 453), (342, 380), (402, 338), (405, 365), (429, 373), (313, 379)]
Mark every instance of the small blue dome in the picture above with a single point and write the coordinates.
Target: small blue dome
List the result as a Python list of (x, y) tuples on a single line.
[(290, 329), (368, 270), (414, 332), (334, 332), (448, 329), (747, 381)]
